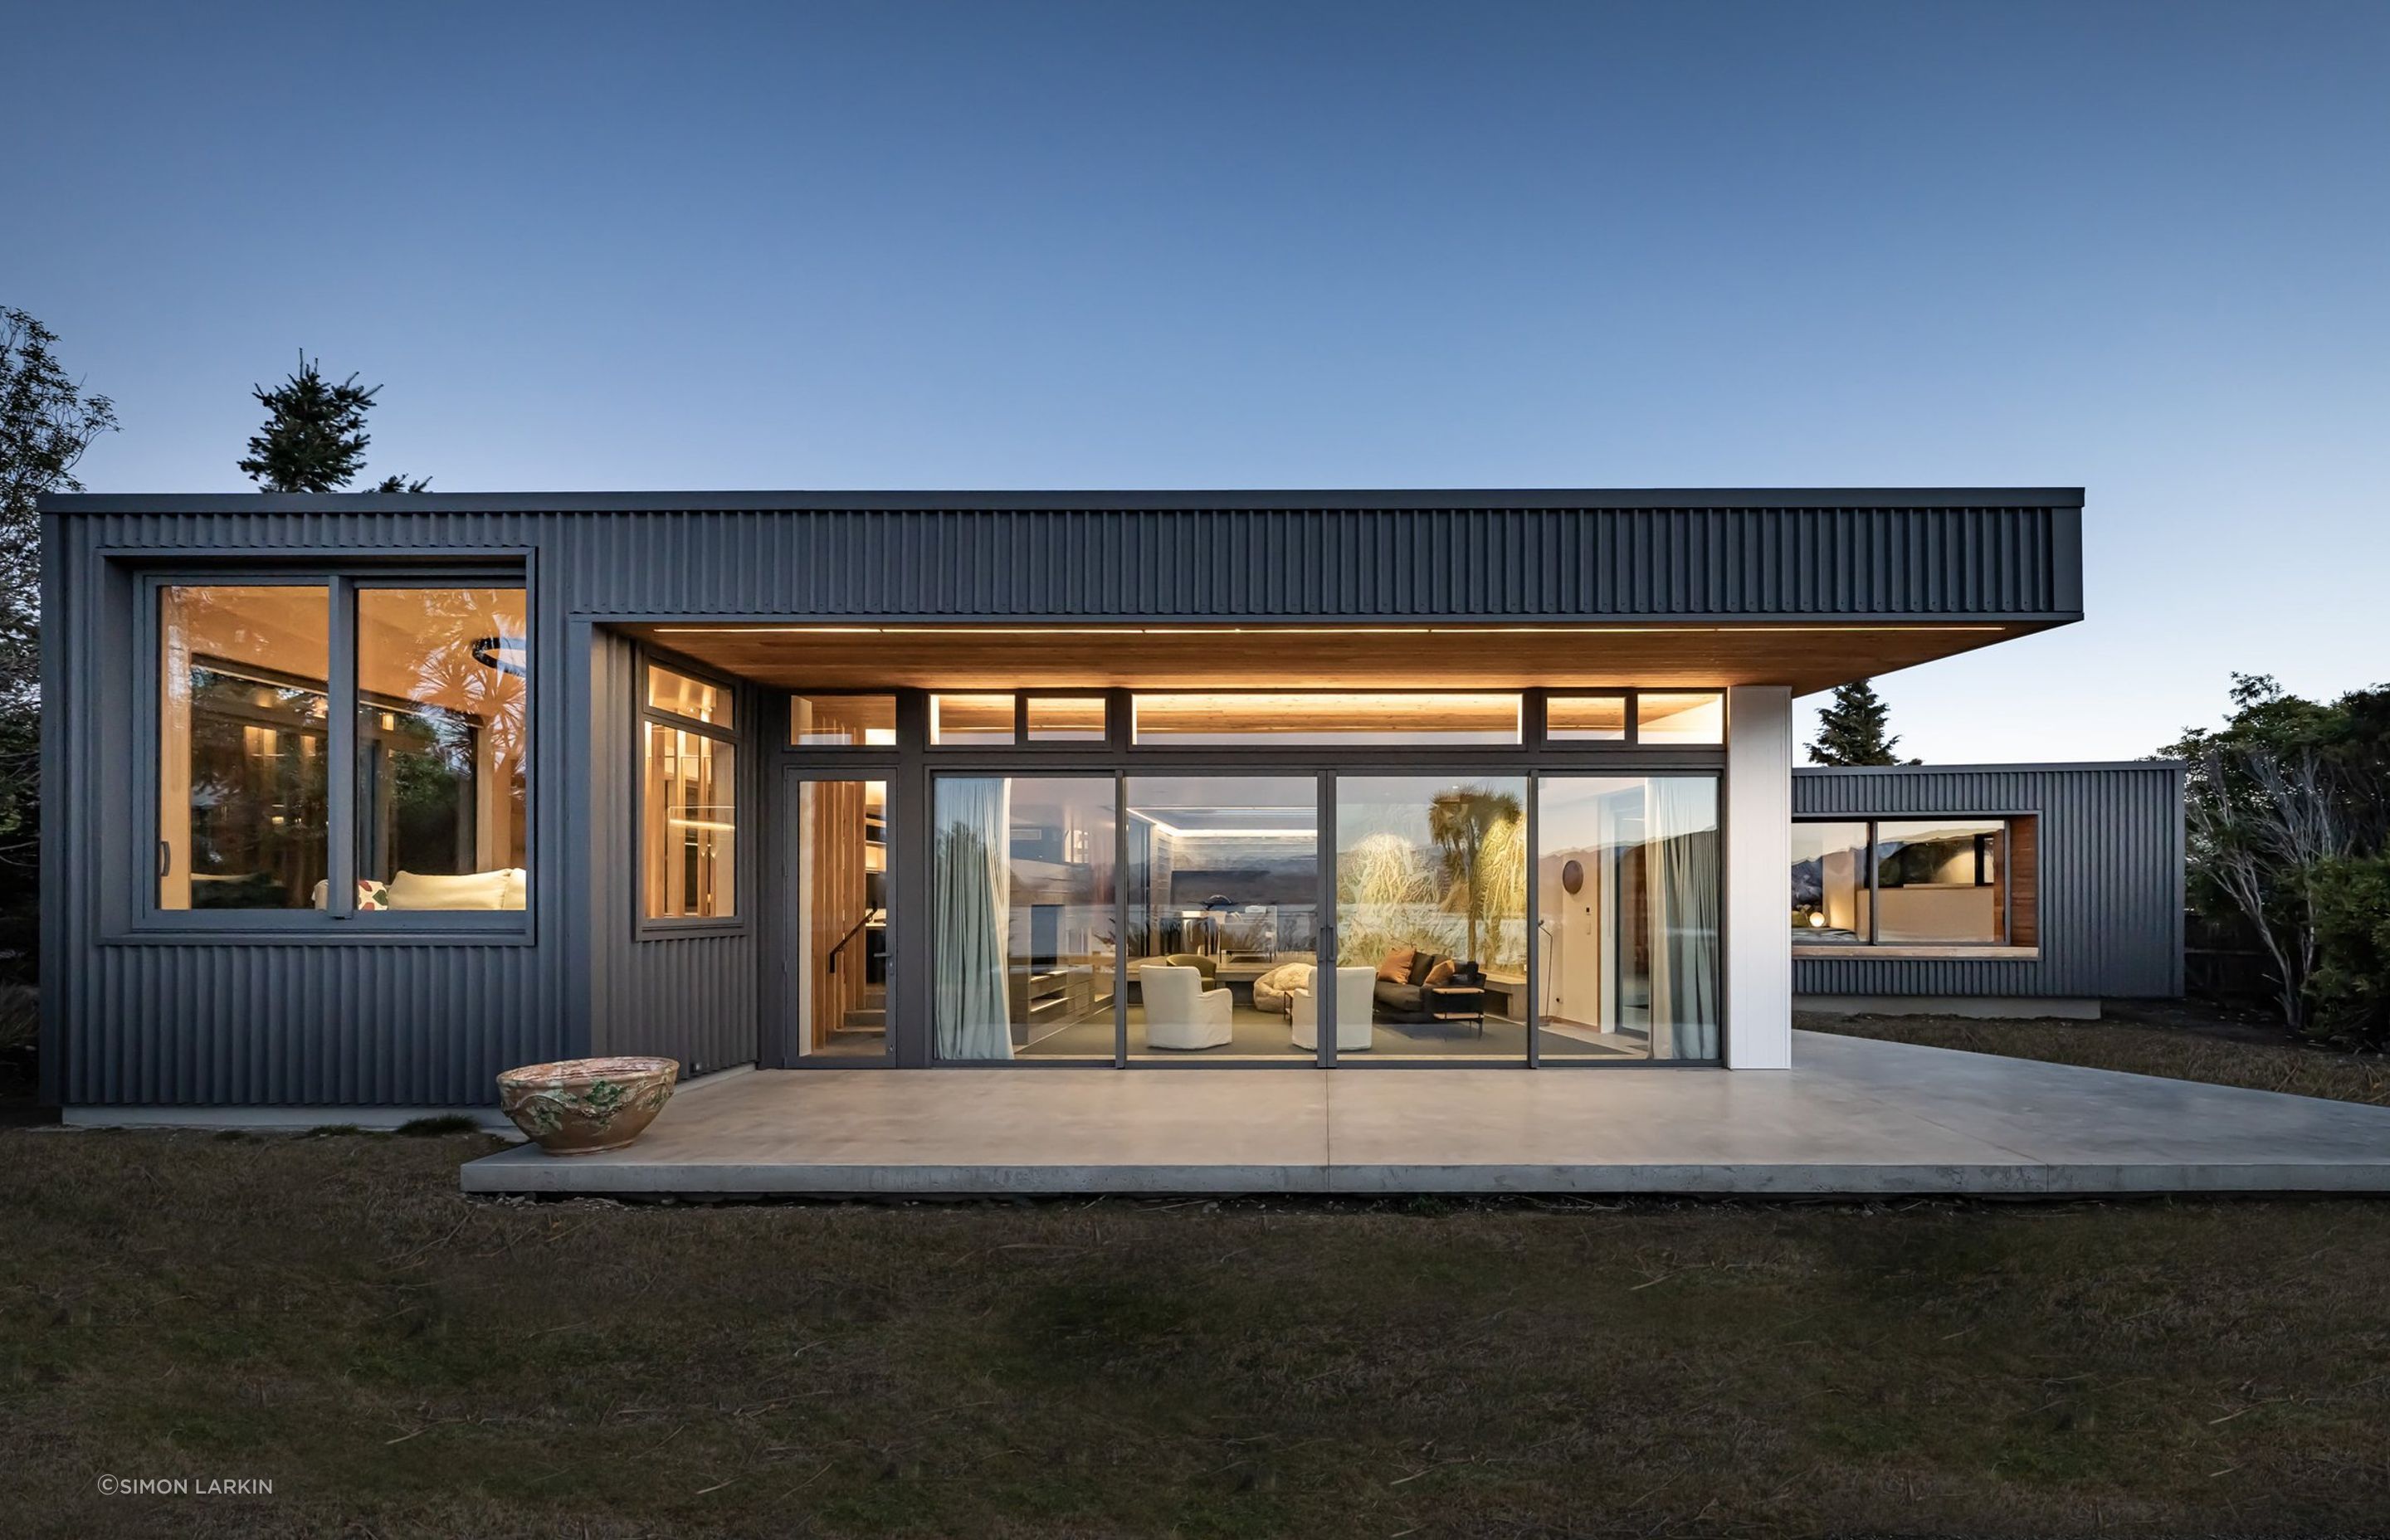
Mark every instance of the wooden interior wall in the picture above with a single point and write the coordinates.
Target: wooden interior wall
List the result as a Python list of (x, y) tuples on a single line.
[(2025, 882), (837, 892)]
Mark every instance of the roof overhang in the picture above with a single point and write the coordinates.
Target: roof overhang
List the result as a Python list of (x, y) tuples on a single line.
[(1806, 656)]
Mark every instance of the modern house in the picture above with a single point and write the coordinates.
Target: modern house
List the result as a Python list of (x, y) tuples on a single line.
[(355, 800)]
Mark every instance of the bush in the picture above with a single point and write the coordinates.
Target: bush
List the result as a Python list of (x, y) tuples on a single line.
[(2351, 983)]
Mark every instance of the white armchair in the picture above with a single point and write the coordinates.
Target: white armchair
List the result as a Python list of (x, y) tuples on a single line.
[(1181, 1013), (1354, 1001)]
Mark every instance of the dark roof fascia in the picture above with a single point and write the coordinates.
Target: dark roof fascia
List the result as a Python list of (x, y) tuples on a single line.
[(2029, 767), (1125, 502)]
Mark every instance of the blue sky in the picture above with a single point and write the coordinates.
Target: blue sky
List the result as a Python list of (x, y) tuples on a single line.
[(2144, 248)]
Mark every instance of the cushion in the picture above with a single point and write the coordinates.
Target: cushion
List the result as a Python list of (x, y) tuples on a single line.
[(1395, 966), (1440, 974), (431, 890), (518, 893), (1420, 964)]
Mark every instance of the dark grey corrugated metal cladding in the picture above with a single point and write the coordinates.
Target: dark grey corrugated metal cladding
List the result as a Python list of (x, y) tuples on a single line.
[(1207, 555), (135, 1014), (2111, 875)]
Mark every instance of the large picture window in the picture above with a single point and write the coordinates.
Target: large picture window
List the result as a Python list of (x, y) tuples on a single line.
[(1913, 882), (688, 809), (287, 708)]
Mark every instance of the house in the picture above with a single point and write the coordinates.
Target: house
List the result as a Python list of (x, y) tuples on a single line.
[(354, 800)]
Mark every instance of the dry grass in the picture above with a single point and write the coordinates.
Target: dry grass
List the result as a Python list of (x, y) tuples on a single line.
[(2189, 1050), (328, 1313)]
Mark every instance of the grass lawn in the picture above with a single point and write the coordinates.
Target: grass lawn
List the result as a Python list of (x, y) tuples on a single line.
[(327, 1313)]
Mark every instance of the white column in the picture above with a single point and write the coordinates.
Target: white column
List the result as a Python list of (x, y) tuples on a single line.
[(1758, 867)]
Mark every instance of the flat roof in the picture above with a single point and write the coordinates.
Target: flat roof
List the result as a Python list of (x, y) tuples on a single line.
[(1071, 500)]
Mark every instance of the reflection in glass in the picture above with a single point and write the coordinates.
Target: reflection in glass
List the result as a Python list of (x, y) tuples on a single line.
[(1066, 718), (1680, 716), (1586, 718), (984, 721), (1432, 896), (1939, 882), (820, 721), (1324, 718), (841, 893), (689, 827), (443, 752), (1222, 914), (1830, 884), (1022, 917), (698, 700), (241, 738), (1628, 900)]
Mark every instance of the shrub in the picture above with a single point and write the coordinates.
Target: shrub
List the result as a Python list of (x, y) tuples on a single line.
[(2351, 983)]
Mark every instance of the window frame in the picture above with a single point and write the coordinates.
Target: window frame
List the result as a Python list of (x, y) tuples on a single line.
[(2006, 947), (342, 581), (645, 926)]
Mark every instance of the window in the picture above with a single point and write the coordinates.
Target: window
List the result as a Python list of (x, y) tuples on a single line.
[(425, 693), (972, 721), (1586, 718), (244, 715), (1930, 882), (442, 760), (689, 830), (1681, 717), (1327, 719), (1065, 718), (826, 721)]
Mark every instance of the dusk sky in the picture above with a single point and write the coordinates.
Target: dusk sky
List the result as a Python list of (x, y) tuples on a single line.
[(2144, 249)]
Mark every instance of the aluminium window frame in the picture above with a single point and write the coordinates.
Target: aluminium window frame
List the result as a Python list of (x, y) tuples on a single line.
[(342, 579)]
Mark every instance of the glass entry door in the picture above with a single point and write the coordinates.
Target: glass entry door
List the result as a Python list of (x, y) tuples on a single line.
[(835, 972)]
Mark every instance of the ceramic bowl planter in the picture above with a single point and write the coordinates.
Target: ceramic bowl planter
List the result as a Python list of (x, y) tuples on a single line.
[(580, 1106)]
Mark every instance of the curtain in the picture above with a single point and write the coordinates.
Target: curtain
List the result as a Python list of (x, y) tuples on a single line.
[(973, 1015), (1682, 837)]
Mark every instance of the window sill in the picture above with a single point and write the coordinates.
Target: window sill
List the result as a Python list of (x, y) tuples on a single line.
[(322, 935), (1923, 953)]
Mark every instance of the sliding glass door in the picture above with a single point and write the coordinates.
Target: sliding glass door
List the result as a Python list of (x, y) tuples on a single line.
[(1627, 909), (1222, 906), (1191, 918), (1432, 917)]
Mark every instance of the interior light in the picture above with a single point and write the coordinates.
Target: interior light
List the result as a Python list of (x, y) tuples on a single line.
[(1817, 920)]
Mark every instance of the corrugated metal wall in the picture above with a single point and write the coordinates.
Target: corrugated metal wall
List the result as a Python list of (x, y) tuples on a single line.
[(2111, 876), (134, 1016)]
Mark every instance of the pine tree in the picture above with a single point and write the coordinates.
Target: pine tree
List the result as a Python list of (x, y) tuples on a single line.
[(1851, 730), (315, 435)]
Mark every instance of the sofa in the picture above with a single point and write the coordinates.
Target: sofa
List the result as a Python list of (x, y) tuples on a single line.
[(1406, 1000)]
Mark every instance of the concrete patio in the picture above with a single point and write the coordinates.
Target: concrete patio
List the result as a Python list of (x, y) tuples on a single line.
[(1854, 1116)]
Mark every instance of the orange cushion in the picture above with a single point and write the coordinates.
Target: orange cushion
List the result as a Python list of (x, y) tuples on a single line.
[(1440, 974), (1395, 967)]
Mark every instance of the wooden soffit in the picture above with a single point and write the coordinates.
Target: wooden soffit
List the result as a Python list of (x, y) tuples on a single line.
[(965, 656)]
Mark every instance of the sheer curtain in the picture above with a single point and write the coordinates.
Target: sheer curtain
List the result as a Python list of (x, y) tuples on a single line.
[(971, 918), (1682, 837)]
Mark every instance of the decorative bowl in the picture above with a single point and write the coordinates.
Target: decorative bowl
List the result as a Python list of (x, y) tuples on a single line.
[(580, 1106)]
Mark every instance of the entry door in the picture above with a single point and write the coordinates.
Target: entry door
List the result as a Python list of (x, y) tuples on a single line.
[(835, 973)]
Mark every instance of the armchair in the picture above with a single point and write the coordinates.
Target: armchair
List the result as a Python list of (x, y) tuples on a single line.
[(1354, 1008), (1179, 1012)]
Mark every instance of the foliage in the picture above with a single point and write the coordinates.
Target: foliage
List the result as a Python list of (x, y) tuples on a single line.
[(46, 424), (315, 435), (2351, 983), (2287, 808), (1850, 729)]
